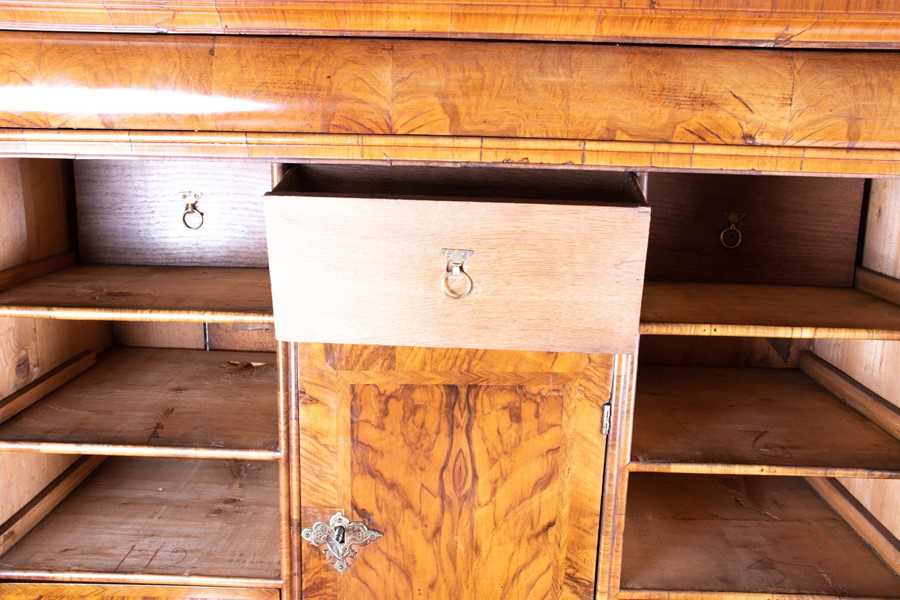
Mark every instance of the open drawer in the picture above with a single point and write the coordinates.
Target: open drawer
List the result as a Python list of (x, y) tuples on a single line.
[(528, 259)]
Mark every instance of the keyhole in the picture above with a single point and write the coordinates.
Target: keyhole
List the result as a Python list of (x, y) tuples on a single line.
[(339, 534)]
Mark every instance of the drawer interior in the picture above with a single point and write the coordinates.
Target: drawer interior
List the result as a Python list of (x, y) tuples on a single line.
[(474, 183)]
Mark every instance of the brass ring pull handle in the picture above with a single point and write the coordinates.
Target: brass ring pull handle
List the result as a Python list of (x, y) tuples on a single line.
[(337, 539), (455, 272), (731, 237), (193, 218)]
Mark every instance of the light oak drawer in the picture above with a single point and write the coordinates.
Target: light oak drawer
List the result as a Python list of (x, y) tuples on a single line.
[(363, 258), (104, 591)]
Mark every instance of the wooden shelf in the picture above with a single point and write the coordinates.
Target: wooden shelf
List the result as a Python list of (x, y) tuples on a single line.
[(140, 520), (766, 311), (128, 293), (187, 403), (752, 421), (767, 535)]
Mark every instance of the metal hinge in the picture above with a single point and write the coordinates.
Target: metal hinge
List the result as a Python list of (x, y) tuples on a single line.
[(606, 423)]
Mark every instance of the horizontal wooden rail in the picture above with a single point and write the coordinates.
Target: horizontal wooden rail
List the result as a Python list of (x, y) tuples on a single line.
[(709, 96), (400, 149), (759, 310), (56, 591), (139, 578), (803, 23), (151, 294)]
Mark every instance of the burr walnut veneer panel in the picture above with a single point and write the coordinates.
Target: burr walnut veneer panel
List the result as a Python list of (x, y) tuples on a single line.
[(483, 469), (365, 86)]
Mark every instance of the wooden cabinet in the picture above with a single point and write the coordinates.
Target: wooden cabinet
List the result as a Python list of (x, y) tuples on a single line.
[(474, 443), (454, 407)]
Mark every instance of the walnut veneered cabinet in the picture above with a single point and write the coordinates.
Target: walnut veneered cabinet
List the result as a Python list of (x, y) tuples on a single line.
[(483, 470), (466, 452)]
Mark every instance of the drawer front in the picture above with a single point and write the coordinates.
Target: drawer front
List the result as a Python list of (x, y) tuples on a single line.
[(135, 212), (103, 591), (494, 275)]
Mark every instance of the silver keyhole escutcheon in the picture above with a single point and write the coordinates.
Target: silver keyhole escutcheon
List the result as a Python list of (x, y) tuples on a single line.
[(338, 538)]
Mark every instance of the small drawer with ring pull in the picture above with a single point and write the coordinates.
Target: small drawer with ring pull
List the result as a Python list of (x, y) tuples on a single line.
[(468, 257)]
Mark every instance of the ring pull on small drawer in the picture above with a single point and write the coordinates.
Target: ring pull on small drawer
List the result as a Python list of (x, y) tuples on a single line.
[(193, 217), (455, 282), (337, 538)]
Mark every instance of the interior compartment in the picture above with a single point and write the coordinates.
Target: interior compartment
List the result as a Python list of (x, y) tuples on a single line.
[(148, 518), (794, 230), (163, 402), (764, 420), (762, 256), (136, 258), (765, 535)]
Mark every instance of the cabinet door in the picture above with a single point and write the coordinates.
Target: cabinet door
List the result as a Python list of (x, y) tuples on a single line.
[(482, 469)]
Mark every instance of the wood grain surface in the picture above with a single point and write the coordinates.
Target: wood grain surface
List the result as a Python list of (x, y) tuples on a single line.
[(130, 212), (103, 591), (544, 276), (34, 198), (243, 337), (875, 364), (757, 310), (773, 421), (115, 292), (795, 231), (877, 409), (861, 520), (881, 252), (483, 469), (38, 507), (802, 23), (168, 518), (509, 152), (15, 403), (504, 89), (691, 351), (174, 403), (768, 535)]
